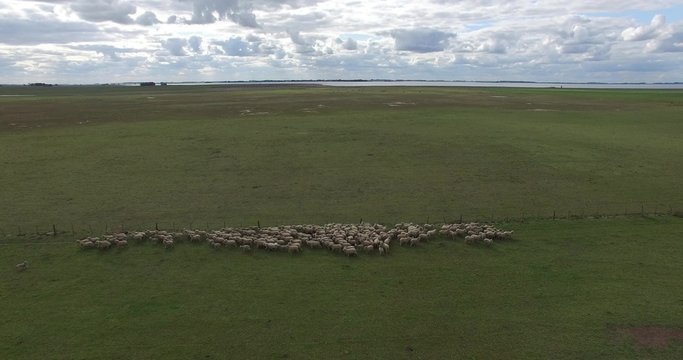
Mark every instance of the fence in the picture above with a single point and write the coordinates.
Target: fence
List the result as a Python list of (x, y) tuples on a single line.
[(594, 210)]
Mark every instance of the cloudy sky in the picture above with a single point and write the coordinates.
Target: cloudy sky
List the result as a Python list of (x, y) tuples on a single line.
[(88, 41)]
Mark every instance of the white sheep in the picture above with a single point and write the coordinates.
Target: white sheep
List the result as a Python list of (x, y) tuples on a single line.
[(22, 265), (350, 251), (103, 244), (85, 243)]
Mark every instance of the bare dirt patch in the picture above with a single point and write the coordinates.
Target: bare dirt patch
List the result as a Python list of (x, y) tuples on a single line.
[(655, 337)]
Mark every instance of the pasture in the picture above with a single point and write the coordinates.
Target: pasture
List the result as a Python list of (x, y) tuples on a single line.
[(562, 290), (134, 156), (94, 158)]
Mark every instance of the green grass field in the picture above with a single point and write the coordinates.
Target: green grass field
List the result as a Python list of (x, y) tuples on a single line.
[(194, 155), (562, 290), (99, 157)]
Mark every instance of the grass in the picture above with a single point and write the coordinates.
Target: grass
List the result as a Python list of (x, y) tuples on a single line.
[(178, 155), (560, 291), (98, 157)]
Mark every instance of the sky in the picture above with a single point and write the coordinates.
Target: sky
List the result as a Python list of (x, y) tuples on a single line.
[(109, 41)]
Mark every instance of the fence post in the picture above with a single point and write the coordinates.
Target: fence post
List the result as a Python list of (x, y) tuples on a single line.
[(54, 230), (553, 214)]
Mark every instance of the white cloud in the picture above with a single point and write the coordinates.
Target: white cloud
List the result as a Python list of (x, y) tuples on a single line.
[(175, 46), (645, 32), (496, 39), (350, 44), (147, 18), (421, 40), (105, 10)]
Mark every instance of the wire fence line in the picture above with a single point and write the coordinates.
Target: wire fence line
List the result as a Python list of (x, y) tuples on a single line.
[(596, 210)]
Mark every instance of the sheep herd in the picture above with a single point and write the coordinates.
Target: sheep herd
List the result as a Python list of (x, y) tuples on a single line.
[(347, 239)]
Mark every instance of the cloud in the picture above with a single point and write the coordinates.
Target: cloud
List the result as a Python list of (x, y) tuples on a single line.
[(43, 30), (350, 44), (670, 41), (175, 46), (195, 43), (662, 37), (645, 32), (193, 39), (147, 18), (301, 45), (104, 10), (210, 11), (235, 46), (421, 40)]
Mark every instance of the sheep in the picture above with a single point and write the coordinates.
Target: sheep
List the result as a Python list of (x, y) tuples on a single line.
[(245, 248), (22, 266), (344, 238), (85, 243), (350, 251), (314, 244), (103, 244)]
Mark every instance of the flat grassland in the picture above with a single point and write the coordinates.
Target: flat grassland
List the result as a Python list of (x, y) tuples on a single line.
[(91, 157), (137, 156)]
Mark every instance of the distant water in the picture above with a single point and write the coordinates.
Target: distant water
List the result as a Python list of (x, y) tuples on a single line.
[(444, 84), (501, 84)]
